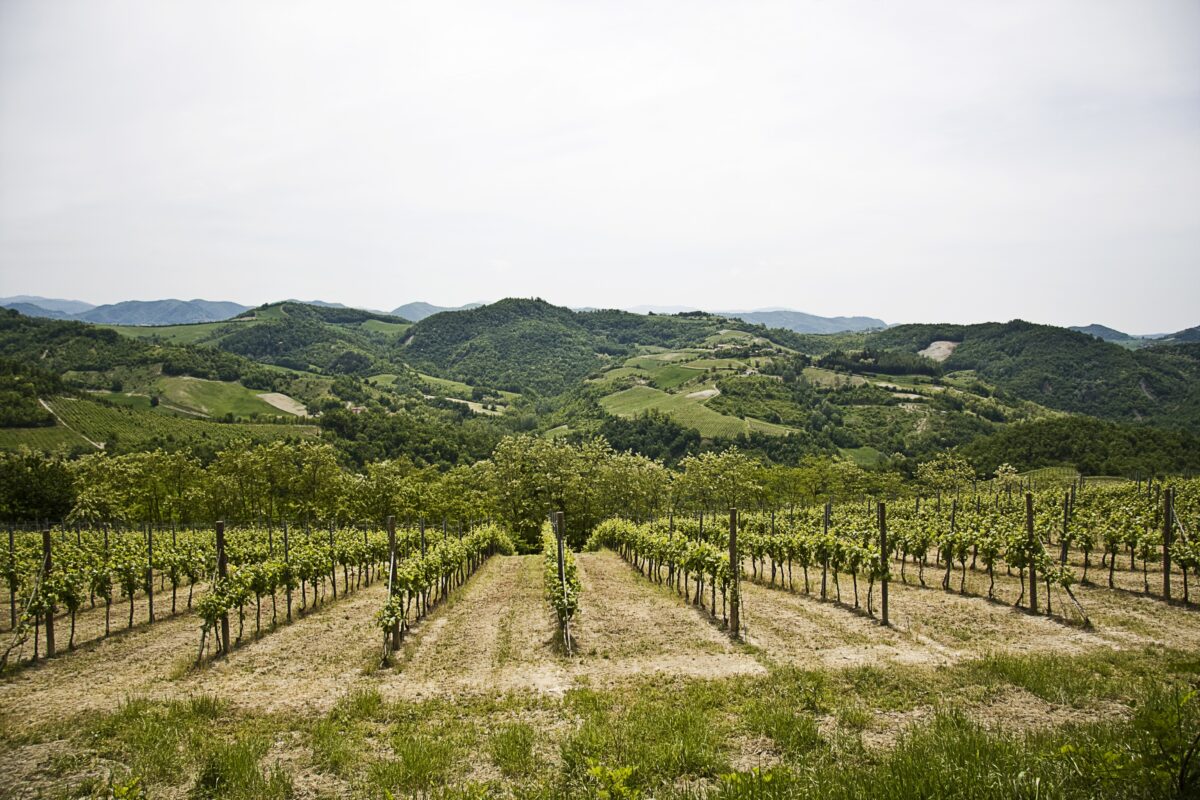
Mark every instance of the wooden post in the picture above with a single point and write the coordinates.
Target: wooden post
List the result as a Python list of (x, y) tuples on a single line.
[(150, 572), (391, 532), (12, 581), (1031, 541), (1168, 520), (287, 560), (1064, 540), (559, 534), (735, 574), (332, 562), (222, 574), (47, 565), (883, 560)]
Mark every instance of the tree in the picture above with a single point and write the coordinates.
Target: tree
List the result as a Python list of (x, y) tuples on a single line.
[(946, 472)]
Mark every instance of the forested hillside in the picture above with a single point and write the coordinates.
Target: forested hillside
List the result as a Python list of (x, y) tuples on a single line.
[(1066, 370), (443, 391)]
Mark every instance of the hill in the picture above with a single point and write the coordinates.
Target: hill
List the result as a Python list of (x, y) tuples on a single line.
[(31, 310), (47, 303), (1064, 369), (521, 344), (162, 312), (419, 311), (1102, 332), (1184, 336), (800, 322), (1092, 446)]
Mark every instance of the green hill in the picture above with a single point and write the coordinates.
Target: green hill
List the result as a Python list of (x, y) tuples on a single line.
[(1065, 370), (519, 344)]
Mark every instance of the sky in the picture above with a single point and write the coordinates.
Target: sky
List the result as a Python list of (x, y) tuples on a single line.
[(920, 161)]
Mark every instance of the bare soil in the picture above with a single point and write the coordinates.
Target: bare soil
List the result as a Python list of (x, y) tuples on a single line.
[(284, 403), (500, 636)]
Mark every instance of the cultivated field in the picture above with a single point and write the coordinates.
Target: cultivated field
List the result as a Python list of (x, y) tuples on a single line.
[(483, 694)]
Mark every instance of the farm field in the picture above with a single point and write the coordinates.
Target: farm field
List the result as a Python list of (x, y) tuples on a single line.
[(87, 424), (177, 334), (687, 410), (214, 398), (482, 694)]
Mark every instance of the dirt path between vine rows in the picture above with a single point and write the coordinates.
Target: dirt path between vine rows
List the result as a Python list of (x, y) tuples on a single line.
[(304, 664), (933, 626), (98, 677), (501, 636)]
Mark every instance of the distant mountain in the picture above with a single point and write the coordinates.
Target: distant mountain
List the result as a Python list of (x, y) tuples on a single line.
[(162, 312), (1102, 332), (67, 307), (1188, 335), (30, 310), (415, 312), (800, 322)]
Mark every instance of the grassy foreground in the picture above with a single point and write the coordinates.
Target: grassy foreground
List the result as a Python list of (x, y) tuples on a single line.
[(1121, 728)]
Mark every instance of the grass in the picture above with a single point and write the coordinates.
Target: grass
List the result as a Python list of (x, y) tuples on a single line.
[(669, 737), (231, 770), (176, 334), (863, 456), (654, 736), (421, 762), (215, 398), (130, 426), (827, 377), (452, 388), (687, 411), (387, 328), (511, 749)]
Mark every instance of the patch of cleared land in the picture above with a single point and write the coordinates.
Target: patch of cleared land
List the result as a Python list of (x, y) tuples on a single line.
[(939, 350), (284, 403), (214, 398)]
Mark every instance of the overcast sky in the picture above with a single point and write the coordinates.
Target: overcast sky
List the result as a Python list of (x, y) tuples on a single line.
[(914, 161)]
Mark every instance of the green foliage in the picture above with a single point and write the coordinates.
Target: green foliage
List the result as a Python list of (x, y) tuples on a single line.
[(231, 770), (20, 388), (886, 362), (1094, 447), (511, 749), (529, 344), (562, 595), (1066, 370)]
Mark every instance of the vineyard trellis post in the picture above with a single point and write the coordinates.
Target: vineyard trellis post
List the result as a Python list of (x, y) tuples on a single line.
[(222, 574), (291, 578), (1032, 544), (332, 562), (150, 573), (47, 565), (391, 588), (1168, 519), (883, 562), (735, 574), (560, 533), (12, 578)]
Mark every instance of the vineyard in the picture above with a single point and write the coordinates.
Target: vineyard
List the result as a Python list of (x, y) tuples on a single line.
[(85, 423), (780, 641)]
